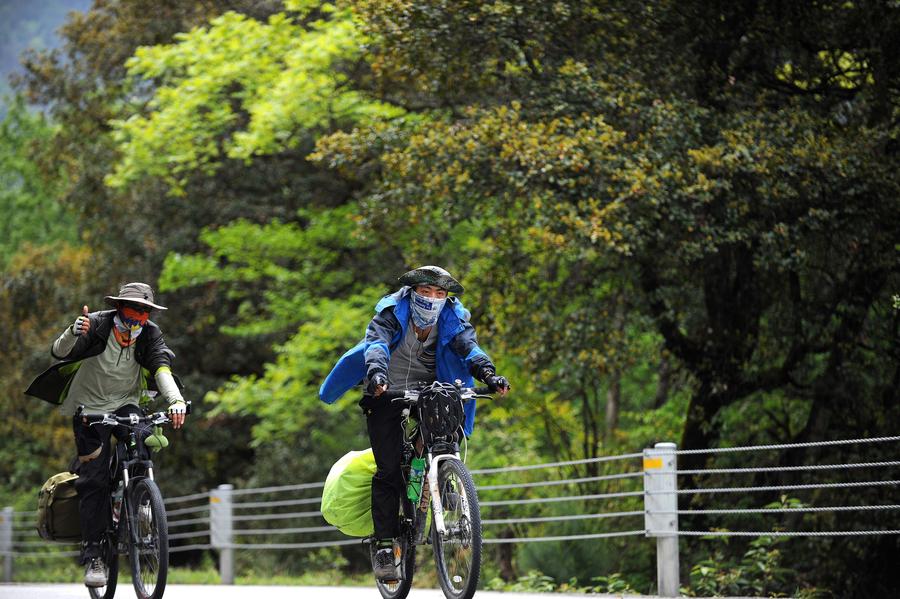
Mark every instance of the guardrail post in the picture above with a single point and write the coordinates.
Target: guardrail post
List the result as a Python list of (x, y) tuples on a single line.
[(6, 546), (661, 513), (221, 511)]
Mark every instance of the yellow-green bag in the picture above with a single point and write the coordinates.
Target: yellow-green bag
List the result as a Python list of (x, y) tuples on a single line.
[(347, 496)]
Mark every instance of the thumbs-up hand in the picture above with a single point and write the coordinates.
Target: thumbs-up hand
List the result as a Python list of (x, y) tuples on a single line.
[(82, 324)]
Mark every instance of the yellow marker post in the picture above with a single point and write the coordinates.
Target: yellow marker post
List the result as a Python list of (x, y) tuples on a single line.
[(6, 542), (221, 533), (661, 513)]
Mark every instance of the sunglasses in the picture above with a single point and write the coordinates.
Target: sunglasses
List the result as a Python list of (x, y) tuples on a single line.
[(138, 308)]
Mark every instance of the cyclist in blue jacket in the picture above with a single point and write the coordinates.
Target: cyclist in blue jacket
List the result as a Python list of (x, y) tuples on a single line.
[(420, 334)]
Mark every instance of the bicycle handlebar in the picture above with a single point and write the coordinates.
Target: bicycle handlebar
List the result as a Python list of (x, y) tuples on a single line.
[(129, 420), (411, 396)]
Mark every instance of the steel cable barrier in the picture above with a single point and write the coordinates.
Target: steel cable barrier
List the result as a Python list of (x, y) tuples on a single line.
[(574, 500)]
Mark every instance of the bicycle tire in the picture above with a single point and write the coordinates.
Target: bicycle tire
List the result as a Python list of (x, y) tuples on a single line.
[(148, 539), (111, 559), (457, 555)]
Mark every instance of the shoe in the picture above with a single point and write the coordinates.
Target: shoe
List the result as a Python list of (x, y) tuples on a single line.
[(384, 565), (95, 574)]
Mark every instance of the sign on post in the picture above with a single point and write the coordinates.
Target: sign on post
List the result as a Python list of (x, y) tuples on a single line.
[(221, 535), (6, 547), (661, 513)]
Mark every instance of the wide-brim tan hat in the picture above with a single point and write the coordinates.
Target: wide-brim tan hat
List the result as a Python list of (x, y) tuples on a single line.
[(135, 293)]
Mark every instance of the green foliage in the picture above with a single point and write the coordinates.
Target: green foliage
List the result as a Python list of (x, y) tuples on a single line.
[(532, 582), (759, 572), (293, 263), (662, 232), (240, 88), (285, 397), (612, 584), (716, 218), (29, 185), (37, 285), (536, 582)]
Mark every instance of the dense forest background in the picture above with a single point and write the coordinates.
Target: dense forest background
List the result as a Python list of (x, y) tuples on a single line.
[(676, 221)]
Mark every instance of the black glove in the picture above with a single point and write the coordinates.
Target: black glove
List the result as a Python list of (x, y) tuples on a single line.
[(377, 380), (496, 382)]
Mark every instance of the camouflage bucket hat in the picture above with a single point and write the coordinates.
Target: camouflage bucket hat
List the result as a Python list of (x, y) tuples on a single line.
[(431, 275), (135, 293)]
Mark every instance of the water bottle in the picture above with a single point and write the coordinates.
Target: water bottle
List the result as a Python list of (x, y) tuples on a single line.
[(117, 503), (416, 472)]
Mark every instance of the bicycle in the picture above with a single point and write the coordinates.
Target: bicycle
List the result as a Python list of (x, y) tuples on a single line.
[(143, 532), (432, 423)]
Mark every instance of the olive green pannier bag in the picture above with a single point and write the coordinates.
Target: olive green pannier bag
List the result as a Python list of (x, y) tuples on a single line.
[(58, 518), (347, 495)]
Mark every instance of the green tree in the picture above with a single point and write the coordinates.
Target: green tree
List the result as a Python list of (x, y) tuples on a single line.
[(29, 186), (240, 88), (84, 85), (721, 197), (739, 188)]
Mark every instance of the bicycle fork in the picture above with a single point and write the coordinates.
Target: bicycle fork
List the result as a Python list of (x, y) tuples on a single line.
[(437, 508)]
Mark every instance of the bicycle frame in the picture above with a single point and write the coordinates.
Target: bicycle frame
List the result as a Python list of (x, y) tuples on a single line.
[(431, 472), (432, 430), (137, 526)]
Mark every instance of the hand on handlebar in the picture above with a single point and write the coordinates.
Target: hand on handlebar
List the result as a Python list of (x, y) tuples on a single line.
[(377, 384), (177, 413), (497, 384)]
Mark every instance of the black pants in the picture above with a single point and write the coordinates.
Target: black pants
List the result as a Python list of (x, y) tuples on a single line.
[(383, 422), (94, 484)]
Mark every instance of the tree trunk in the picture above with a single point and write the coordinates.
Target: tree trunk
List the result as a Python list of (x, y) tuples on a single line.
[(614, 392), (698, 430), (507, 570), (613, 401)]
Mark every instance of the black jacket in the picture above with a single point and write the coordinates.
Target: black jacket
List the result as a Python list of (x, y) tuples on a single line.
[(150, 351)]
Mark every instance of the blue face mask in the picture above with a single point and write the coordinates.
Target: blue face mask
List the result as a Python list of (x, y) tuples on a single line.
[(425, 310)]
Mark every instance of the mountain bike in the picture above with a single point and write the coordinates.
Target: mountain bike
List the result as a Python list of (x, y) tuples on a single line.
[(137, 517), (432, 424)]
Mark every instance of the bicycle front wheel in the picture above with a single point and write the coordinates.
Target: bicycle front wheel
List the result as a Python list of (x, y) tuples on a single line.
[(457, 552), (148, 540)]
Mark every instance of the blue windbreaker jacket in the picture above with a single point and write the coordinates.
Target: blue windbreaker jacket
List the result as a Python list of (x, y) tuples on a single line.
[(455, 338)]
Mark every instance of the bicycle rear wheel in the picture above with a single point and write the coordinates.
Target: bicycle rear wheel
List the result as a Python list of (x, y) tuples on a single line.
[(457, 553), (148, 540), (111, 559)]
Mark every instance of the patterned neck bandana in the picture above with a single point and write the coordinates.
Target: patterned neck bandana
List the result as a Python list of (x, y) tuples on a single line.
[(127, 327), (425, 310)]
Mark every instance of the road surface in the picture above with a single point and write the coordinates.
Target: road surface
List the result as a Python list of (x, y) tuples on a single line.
[(192, 591)]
